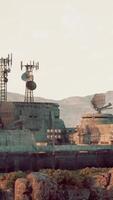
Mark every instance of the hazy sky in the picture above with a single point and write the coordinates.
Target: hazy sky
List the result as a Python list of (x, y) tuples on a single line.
[(71, 39)]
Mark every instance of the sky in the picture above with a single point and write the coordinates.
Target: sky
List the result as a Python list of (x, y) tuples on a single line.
[(71, 39)]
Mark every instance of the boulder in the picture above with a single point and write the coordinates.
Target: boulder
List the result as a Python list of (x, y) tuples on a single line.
[(43, 188), (101, 180), (78, 194), (22, 189)]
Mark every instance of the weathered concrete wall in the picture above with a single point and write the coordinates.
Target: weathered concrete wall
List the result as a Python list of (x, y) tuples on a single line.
[(17, 141), (33, 116), (6, 114), (96, 129), (35, 161)]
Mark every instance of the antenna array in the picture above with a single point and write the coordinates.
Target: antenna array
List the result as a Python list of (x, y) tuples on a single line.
[(5, 64), (28, 77)]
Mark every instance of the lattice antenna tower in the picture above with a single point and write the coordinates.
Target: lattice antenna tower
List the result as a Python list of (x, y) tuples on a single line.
[(28, 77), (5, 68)]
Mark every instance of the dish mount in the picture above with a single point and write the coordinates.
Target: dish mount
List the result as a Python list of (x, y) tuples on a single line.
[(98, 102)]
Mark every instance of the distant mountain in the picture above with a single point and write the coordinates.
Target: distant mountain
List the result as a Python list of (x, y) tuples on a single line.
[(72, 108)]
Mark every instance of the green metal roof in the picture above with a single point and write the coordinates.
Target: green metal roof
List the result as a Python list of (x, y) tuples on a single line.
[(74, 148)]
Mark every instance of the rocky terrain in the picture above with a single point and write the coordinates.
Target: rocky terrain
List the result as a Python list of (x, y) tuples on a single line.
[(71, 108), (49, 184)]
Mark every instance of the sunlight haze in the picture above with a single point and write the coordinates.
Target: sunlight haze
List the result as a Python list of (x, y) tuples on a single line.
[(71, 39)]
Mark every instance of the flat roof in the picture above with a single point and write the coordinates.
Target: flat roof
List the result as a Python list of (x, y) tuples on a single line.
[(31, 103)]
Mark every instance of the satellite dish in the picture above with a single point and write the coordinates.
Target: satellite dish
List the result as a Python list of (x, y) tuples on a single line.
[(98, 102), (31, 85), (24, 76), (8, 70)]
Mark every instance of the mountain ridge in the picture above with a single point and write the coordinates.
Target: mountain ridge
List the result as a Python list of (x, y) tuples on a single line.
[(71, 108)]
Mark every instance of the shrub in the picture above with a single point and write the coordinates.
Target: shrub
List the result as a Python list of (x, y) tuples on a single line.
[(65, 177), (92, 171), (11, 178)]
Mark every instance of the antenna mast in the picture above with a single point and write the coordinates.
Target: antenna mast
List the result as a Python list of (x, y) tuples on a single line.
[(5, 64), (28, 77)]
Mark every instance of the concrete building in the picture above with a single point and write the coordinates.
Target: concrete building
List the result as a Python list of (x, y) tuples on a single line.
[(95, 129), (36, 117)]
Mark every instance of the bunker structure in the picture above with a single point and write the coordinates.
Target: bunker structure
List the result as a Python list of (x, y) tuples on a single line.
[(20, 118), (35, 117), (95, 129), (27, 125), (32, 135)]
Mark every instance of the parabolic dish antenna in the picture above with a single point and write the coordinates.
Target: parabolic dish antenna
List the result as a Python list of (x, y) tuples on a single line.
[(24, 76), (98, 101), (31, 85)]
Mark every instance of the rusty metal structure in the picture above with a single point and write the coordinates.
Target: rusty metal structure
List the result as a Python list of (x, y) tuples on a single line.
[(5, 68), (28, 77)]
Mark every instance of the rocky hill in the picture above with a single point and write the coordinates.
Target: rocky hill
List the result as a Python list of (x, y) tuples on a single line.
[(71, 108), (50, 184)]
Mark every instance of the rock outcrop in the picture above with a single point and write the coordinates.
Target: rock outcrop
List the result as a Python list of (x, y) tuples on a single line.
[(42, 186), (84, 184), (21, 189)]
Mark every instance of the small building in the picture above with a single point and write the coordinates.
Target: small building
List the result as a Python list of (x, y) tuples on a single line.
[(95, 129), (38, 117)]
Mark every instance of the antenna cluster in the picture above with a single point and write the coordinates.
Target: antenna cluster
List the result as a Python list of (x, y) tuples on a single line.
[(28, 77), (32, 65), (5, 68)]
